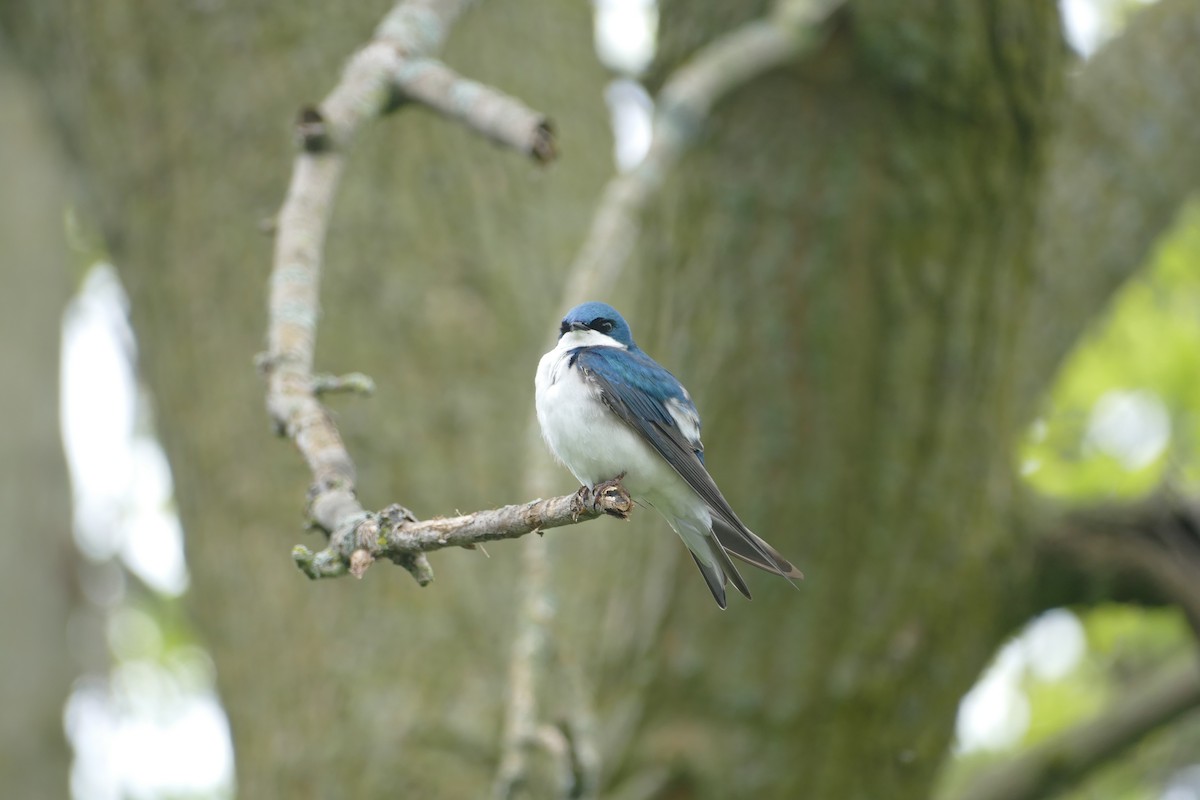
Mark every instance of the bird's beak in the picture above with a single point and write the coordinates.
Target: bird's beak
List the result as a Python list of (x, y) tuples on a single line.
[(577, 326)]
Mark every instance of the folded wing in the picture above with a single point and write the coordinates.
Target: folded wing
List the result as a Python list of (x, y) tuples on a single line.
[(631, 385)]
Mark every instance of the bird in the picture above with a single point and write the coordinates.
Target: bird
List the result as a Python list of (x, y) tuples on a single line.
[(608, 412)]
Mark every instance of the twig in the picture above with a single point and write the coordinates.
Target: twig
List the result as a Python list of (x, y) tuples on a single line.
[(525, 671), (501, 118), (395, 68), (1067, 757), (354, 382), (394, 533)]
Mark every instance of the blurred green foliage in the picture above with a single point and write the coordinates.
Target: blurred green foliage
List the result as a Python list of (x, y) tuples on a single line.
[(1146, 352), (1122, 420)]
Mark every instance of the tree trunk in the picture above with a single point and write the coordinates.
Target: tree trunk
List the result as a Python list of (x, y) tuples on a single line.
[(851, 250), (839, 272), (37, 572)]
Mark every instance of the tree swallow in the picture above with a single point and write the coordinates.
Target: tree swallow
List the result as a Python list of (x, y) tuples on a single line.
[(608, 411)]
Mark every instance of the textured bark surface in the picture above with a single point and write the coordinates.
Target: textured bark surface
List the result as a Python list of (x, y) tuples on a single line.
[(840, 273), (856, 269), (37, 571)]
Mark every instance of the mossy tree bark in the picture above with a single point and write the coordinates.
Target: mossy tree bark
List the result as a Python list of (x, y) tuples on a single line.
[(39, 572), (852, 248), (841, 272)]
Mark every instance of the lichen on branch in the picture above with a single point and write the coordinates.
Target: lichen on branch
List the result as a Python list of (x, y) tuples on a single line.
[(396, 534), (396, 68)]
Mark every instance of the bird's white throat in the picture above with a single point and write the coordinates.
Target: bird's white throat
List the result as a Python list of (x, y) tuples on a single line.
[(589, 338), (554, 364)]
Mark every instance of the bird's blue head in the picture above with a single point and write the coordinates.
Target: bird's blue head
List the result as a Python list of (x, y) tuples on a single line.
[(601, 318)]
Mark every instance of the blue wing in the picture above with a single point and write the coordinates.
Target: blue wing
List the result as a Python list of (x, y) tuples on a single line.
[(638, 390)]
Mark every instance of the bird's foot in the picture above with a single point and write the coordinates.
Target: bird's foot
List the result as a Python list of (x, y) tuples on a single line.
[(609, 497)]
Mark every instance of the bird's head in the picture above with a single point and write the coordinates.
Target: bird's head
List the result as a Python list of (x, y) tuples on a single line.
[(595, 323)]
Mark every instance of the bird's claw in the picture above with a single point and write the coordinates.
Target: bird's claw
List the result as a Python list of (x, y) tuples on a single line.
[(611, 498)]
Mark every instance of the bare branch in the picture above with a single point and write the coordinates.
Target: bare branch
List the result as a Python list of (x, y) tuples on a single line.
[(791, 32), (1072, 754), (1123, 163), (1148, 553), (524, 670), (394, 68), (501, 118), (394, 533), (354, 382)]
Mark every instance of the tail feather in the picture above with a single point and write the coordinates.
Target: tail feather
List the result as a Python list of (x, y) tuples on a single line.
[(726, 566), (742, 543), (714, 579), (714, 563)]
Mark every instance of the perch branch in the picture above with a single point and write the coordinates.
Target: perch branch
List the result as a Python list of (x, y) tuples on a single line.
[(395, 534), (394, 68), (1069, 756), (792, 31)]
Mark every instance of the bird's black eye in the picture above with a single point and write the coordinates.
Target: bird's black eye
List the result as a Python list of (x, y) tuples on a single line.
[(601, 324)]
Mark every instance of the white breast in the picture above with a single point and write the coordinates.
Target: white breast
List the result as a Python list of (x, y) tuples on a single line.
[(589, 439)]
